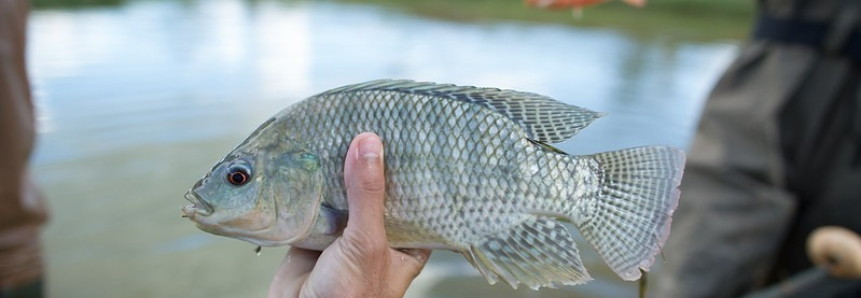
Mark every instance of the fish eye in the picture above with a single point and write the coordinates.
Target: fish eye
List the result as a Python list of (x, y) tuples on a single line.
[(238, 175)]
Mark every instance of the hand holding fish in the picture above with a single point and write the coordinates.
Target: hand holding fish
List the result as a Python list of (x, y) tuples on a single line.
[(360, 263)]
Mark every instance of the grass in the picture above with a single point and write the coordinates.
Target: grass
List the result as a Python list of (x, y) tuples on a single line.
[(704, 20), (687, 19)]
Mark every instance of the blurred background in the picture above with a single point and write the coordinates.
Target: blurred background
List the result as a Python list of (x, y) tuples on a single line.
[(138, 99)]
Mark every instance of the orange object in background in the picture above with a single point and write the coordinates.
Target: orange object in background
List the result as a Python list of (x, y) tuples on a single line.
[(576, 4)]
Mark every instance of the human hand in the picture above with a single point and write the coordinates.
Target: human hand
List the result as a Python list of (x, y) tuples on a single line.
[(360, 263)]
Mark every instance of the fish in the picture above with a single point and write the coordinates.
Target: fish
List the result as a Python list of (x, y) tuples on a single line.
[(468, 169)]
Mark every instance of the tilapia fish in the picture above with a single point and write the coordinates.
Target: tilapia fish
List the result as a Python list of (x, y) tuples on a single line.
[(467, 169)]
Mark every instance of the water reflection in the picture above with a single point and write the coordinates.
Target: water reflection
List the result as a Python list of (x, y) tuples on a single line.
[(138, 100)]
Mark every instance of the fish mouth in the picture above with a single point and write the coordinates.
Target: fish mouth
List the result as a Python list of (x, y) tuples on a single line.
[(198, 206)]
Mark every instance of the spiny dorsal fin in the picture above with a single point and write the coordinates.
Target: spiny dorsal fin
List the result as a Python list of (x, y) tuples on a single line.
[(543, 118)]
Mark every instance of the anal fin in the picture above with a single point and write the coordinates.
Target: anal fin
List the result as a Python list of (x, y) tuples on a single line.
[(538, 253)]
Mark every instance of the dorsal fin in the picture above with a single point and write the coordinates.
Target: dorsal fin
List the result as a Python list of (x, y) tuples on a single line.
[(543, 118)]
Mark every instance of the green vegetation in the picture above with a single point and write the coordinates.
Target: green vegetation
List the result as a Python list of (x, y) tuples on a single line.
[(687, 19), (673, 19)]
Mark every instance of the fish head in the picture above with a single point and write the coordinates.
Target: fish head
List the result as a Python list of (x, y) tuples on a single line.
[(267, 191)]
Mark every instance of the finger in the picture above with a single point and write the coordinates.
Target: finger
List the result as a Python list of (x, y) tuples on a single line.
[(293, 272), (365, 181), (406, 265)]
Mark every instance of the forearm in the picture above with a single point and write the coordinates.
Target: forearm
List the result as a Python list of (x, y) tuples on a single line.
[(22, 210)]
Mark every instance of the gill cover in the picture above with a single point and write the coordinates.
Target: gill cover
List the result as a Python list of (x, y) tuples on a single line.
[(297, 191)]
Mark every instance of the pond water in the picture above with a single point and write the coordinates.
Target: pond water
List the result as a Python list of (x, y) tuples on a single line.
[(137, 101)]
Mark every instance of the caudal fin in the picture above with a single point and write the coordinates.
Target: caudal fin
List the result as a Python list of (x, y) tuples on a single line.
[(629, 219)]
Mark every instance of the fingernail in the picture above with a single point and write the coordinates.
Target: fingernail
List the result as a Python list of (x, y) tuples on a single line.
[(370, 148)]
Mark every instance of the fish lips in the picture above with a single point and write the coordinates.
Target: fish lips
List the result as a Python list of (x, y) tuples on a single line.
[(198, 206)]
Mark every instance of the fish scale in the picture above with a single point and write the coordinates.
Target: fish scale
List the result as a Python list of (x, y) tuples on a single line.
[(467, 169)]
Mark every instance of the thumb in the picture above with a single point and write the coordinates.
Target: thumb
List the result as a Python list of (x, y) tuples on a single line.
[(366, 186)]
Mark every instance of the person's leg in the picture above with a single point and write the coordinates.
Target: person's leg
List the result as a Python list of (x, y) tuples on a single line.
[(22, 210)]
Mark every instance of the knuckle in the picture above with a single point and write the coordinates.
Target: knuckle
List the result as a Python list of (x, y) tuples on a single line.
[(367, 179), (373, 185)]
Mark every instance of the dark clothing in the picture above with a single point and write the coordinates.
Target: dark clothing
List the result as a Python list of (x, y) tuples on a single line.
[(22, 209), (776, 155)]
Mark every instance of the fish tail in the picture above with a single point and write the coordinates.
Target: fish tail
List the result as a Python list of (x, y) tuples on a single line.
[(628, 218)]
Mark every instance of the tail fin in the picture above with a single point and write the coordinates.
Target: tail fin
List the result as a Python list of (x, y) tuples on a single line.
[(629, 219)]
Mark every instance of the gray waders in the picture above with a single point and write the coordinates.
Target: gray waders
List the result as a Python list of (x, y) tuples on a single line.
[(777, 154)]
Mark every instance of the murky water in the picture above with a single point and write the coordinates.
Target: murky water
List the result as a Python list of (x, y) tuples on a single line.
[(137, 101)]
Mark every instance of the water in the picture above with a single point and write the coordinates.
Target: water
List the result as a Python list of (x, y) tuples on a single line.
[(137, 101)]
